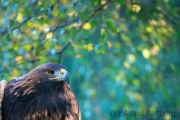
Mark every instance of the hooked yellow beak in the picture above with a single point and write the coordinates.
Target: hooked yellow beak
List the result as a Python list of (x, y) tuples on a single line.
[(61, 75)]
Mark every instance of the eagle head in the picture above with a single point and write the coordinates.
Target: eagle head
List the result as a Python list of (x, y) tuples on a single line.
[(52, 71)]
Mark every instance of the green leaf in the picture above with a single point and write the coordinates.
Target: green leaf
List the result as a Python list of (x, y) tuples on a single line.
[(84, 16), (111, 27), (73, 31)]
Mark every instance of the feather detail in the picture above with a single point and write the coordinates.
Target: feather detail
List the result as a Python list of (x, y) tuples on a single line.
[(3, 85), (35, 97)]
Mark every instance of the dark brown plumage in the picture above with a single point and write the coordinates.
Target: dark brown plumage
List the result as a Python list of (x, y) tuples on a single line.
[(42, 94)]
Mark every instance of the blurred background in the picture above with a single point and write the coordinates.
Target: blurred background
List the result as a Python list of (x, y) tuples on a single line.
[(122, 55)]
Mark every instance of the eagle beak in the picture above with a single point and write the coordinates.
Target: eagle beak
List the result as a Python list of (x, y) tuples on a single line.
[(64, 75), (61, 75)]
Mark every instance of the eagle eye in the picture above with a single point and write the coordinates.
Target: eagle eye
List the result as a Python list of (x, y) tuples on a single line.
[(50, 72)]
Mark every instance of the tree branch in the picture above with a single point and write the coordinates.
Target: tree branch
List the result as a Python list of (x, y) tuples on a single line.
[(58, 27), (12, 29), (81, 26)]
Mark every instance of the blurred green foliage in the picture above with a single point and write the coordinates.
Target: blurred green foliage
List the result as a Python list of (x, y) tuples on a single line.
[(121, 55)]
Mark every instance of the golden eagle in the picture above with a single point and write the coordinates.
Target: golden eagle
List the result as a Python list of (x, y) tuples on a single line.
[(42, 94)]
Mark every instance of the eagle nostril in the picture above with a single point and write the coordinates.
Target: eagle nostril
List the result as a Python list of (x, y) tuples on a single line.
[(62, 71)]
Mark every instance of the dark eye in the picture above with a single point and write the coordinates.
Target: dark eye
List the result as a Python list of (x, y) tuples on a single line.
[(50, 72)]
